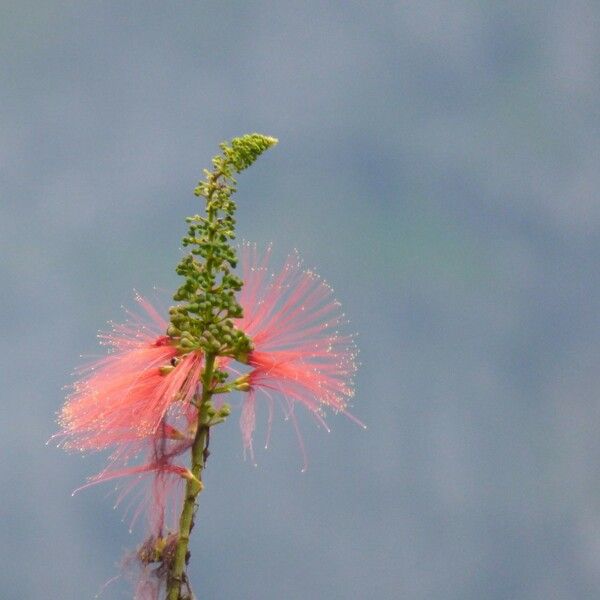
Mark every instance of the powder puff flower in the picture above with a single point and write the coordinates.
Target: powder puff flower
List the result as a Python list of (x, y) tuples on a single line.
[(137, 401), (298, 354), (124, 396)]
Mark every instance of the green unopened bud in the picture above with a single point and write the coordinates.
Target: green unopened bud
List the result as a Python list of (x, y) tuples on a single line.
[(242, 357), (172, 331), (242, 384)]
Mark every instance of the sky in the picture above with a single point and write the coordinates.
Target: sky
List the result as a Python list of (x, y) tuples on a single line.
[(438, 166)]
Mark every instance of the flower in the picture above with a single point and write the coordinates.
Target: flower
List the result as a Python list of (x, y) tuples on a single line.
[(124, 396), (138, 401), (298, 354)]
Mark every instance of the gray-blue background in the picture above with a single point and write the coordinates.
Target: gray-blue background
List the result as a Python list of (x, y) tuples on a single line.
[(438, 164)]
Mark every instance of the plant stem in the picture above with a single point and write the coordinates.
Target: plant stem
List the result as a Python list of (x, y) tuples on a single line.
[(192, 489)]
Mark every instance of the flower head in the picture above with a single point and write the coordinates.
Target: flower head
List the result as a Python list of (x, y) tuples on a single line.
[(124, 396), (298, 354)]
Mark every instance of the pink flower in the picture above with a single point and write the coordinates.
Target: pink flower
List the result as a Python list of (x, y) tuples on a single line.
[(124, 396), (299, 356), (137, 401)]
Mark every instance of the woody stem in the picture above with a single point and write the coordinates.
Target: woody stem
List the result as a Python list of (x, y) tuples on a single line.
[(192, 488)]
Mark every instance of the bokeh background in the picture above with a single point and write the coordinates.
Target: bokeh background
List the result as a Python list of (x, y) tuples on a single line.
[(439, 166)]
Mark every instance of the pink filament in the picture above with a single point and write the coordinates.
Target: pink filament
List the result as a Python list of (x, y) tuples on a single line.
[(293, 320)]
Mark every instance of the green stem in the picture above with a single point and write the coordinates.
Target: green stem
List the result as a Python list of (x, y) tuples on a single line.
[(192, 489)]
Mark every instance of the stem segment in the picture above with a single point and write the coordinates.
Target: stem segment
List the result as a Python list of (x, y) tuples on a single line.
[(192, 489)]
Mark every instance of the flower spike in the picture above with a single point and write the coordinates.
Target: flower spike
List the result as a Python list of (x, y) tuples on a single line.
[(159, 392)]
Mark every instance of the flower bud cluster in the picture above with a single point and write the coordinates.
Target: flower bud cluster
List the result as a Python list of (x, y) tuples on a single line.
[(246, 149), (210, 415), (203, 319)]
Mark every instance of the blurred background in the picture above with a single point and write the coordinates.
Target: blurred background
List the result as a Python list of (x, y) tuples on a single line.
[(438, 165)]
